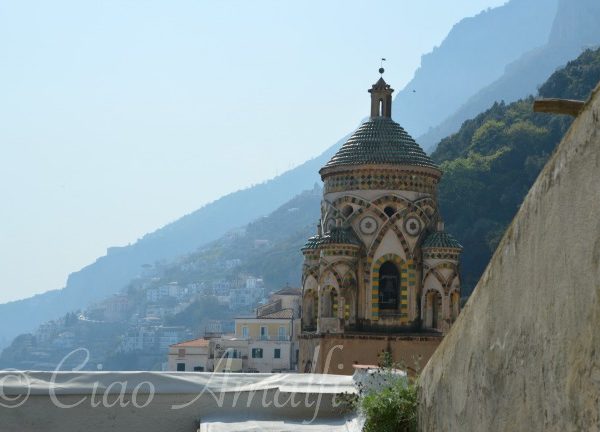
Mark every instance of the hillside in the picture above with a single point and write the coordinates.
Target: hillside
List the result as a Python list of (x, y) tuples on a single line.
[(120, 265), (492, 161), (473, 55), (523, 76), (132, 330)]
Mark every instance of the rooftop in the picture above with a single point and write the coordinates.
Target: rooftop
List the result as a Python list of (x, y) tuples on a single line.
[(340, 235), (380, 141), (441, 239), (200, 342)]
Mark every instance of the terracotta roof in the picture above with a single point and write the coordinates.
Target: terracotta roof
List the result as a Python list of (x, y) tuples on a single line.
[(380, 141), (200, 342), (441, 239)]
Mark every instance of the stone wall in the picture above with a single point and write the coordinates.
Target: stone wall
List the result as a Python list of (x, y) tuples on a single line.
[(524, 355)]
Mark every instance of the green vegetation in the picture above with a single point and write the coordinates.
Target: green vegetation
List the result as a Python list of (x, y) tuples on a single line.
[(394, 409), (492, 161), (388, 401)]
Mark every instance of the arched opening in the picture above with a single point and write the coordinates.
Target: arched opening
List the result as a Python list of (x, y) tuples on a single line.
[(380, 107), (329, 303), (389, 286), (389, 211), (348, 301), (309, 310), (454, 305), (433, 312), (347, 210)]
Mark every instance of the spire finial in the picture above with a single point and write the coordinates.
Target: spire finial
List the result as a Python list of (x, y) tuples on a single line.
[(381, 96), (381, 69)]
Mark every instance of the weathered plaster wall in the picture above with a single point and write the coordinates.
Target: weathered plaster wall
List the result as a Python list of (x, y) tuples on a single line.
[(524, 355), (338, 353)]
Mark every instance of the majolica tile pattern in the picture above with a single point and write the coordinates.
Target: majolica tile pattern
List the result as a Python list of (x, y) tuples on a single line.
[(378, 180), (380, 141)]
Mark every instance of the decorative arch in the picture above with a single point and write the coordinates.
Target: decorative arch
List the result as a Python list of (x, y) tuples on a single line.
[(433, 271), (394, 200), (407, 278), (390, 224), (308, 272), (330, 268), (363, 206), (422, 204), (446, 282)]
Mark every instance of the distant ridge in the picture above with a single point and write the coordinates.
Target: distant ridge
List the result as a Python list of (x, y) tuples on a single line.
[(472, 56), (575, 28)]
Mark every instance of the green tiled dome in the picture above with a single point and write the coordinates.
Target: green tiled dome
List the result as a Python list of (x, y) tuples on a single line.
[(441, 239), (339, 235), (381, 140), (312, 243)]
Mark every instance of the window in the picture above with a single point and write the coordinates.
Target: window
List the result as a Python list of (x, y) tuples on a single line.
[(277, 353), (347, 210), (264, 333), (389, 292), (180, 367), (198, 369), (389, 211), (231, 353), (245, 332), (282, 333), (257, 353), (181, 352)]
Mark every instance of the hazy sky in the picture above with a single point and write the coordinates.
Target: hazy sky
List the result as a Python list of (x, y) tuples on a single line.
[(117, 117)]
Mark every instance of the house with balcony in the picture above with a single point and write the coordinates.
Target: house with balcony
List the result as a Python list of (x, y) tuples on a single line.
[(265, 341)]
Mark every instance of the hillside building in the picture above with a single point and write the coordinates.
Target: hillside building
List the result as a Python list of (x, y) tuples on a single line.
[(266, 341), (381, 274), (188, 356)]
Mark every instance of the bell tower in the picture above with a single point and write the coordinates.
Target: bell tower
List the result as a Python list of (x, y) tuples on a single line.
[(381, 98)]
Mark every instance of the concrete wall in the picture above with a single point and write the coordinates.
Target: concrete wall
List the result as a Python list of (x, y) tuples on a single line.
[(524, 355)]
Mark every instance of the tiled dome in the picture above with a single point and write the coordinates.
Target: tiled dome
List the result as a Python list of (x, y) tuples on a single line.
[(339, 235), (441, 239), (312, 243), (380, 141)]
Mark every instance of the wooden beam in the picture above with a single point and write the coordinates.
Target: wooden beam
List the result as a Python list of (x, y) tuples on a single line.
[(558, 106)]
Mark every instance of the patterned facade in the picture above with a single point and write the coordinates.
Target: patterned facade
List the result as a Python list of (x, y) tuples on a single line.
[(380, 260)]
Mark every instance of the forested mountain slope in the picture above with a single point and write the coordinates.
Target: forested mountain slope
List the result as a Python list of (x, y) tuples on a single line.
[(492, 161)]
